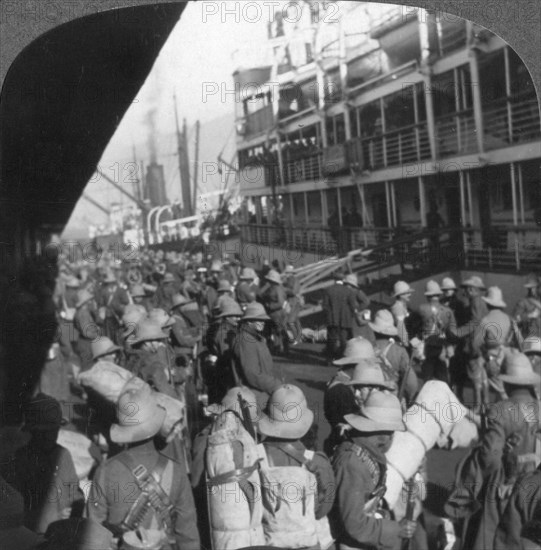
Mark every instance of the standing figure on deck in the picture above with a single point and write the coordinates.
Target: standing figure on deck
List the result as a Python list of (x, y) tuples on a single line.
[(294, 303), (340, 307), (247, 290), (438, 320), (274, 300), (362, 315)]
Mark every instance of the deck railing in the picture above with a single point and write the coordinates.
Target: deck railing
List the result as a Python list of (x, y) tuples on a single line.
[(511, 120), (456, 134), (303, 169)]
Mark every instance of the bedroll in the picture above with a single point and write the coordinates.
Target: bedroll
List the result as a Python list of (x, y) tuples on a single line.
[(233, 485)]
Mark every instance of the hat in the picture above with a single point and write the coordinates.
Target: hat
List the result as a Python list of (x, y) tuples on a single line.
[(148, 330), (494, 297), (519, 371), (401, 287), (216, 266), (83, 296), (231, 402), (247, 273), (448, 284), (493, 337), (532, 344), (381, 412), (384, 323), (433, 289), (137, 291), (168, 278), (179, 300), (289, 269), (351, 279), (224, 286), (369, 373), (42, 413), (202, 269), (103, 346), (229, 308), (288, 414), (72, 282), (357, 349), (133, 315), (255, 312), (79, 534), (13, 534), (531, 281), (274, 277), (144, 539), (109, 278), (139, 416), (475, 282), (160, 317)]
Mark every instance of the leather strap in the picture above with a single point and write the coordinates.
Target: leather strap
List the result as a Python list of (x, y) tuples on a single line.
[(238, 475)]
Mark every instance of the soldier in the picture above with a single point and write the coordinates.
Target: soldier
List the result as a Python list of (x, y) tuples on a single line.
[(294, 303), (360, 465), (183, 336), (528, 310), (104, 349), (139, 296), (273, 296), (165, 292), (532, 350), (86, 324), (438, 320), (252, 361), (246, 291), (159, 496), (339, 399), (112, 301), (286, 462), (486, 477), (451, 300), (402, 293), (477, 308), (394, 358)]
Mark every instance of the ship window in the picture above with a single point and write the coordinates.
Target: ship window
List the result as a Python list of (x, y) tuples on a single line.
[(371, 123), (399, 109)]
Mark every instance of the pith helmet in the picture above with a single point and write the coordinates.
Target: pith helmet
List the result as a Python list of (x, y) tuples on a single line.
[(274, 277), (369, 373), (72, 282), (401, 287), (224, 286), (180, 300), (216, 266), (384, 323), (381, 412), (494, 297), (83, 296), (159, 316), (148, 330), (137, 291), (288, 414), (231, 402), (255, 312), (139, 416), (433, 289), (475, 282), (289, 269), (103, 346), (519, 371), (247, 273), (448, 284), (357, 349), (133, 315), (168, 278), (532, 281), (351, 279), (229, 308)]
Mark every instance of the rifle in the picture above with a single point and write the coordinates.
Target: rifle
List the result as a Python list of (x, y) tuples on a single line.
[(410, 506), (245, 416)]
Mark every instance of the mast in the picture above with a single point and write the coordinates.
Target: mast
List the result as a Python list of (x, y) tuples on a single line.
[(183, 165), (196, 166)]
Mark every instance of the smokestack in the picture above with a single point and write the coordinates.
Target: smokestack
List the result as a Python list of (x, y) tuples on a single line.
[(155, 185)]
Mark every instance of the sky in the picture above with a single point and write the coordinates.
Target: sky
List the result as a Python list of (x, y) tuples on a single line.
[(195, 66)]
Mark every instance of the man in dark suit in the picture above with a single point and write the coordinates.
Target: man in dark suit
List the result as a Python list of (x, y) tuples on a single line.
[(339, 306)]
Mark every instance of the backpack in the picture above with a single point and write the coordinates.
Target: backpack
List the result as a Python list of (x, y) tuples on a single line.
[(289, 499), (388, 370), (233, 494)]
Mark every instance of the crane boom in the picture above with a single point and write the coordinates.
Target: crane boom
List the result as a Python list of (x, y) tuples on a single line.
[(138, 202)]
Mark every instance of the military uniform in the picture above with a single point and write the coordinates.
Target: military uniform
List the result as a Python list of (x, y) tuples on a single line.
[(360, 484), (527, 314), (438, 320), (114, 490)]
